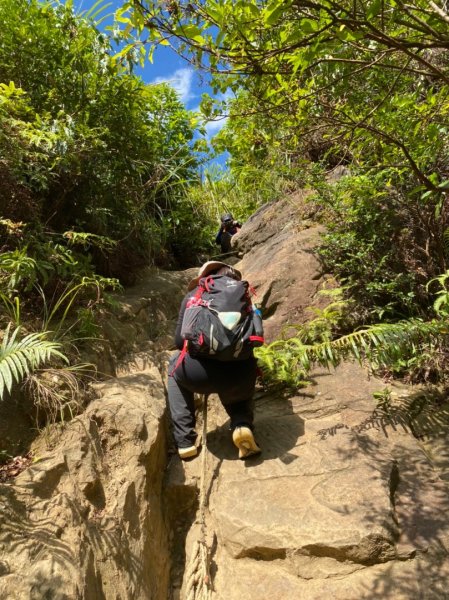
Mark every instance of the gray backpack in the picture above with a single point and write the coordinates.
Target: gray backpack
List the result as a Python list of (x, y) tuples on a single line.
[(220, 320)]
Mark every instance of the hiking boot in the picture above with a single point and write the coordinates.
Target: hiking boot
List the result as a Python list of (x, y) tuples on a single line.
[(243, 438), (188, 452)]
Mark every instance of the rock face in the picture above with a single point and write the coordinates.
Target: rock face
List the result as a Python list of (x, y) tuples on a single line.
[(279, 261), (85, 520), (349, 498), (342, 502)]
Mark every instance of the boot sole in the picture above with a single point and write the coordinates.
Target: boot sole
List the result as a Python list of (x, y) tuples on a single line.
[(187, 452), (244, 440)]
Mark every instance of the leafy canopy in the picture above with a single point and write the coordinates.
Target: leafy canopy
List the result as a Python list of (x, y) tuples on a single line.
[(84, 142), (340, 64)]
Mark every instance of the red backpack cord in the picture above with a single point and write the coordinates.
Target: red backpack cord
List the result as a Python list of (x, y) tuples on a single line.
[(181, 357), (194, 300)]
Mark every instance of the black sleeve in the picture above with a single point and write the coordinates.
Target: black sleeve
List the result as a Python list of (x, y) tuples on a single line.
[(218, 236), (179, 342)]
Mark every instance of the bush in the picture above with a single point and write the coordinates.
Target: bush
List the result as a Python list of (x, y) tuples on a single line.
[(375, 246), (87, 145)]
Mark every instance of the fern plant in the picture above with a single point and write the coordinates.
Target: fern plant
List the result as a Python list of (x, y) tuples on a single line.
[(380, 345), (412, 347), (20, 356)]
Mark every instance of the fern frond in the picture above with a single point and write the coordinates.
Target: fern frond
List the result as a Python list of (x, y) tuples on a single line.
[(382, 342), (379, 345), (19, 357)]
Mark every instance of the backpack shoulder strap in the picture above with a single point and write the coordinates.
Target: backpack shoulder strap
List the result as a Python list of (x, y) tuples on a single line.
[(195, 300)]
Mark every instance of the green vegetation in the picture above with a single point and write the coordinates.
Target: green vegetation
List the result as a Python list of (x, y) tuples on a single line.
[(19, 357), (330, 83), (95, 168), (101, 174), (89, 148), (326, 84)]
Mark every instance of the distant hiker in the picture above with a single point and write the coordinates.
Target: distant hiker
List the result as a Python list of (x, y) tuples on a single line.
[(217, 329), (229, 227)]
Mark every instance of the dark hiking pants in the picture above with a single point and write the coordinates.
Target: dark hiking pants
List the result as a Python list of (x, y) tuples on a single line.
[(234, 383)]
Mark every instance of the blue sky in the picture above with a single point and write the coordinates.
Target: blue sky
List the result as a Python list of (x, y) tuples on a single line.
[(167, 66)]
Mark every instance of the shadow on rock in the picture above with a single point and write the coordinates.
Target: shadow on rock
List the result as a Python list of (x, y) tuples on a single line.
[(277, 430)]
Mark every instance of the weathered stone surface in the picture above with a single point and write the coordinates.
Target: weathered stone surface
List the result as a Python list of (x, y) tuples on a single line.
[(304, 578), (281, 265), (269, 221), (85, 521), (343, 500), (349, 498), (312, 492), (141, 318)]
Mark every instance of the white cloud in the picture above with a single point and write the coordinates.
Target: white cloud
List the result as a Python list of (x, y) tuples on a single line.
[(213, 127), (181, 80)]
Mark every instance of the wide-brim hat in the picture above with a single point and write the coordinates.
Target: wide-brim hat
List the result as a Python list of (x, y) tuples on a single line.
[(207, 268)]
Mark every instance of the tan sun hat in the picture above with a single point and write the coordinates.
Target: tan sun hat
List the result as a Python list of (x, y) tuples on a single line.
[(209, 267)]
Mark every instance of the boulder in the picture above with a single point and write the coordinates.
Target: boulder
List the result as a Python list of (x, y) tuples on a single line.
[(280, 262), (342, 501), (85, 520)]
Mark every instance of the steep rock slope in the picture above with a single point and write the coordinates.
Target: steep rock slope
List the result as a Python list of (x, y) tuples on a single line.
[(347, 499), (86, 520), (277, 247)]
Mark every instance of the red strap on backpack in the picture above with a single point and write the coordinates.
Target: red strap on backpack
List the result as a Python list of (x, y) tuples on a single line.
[(256, 338), (193, 301), (181, 358)]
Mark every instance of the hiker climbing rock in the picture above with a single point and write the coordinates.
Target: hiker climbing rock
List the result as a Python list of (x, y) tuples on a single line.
[(217, 329), (229, 227)]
